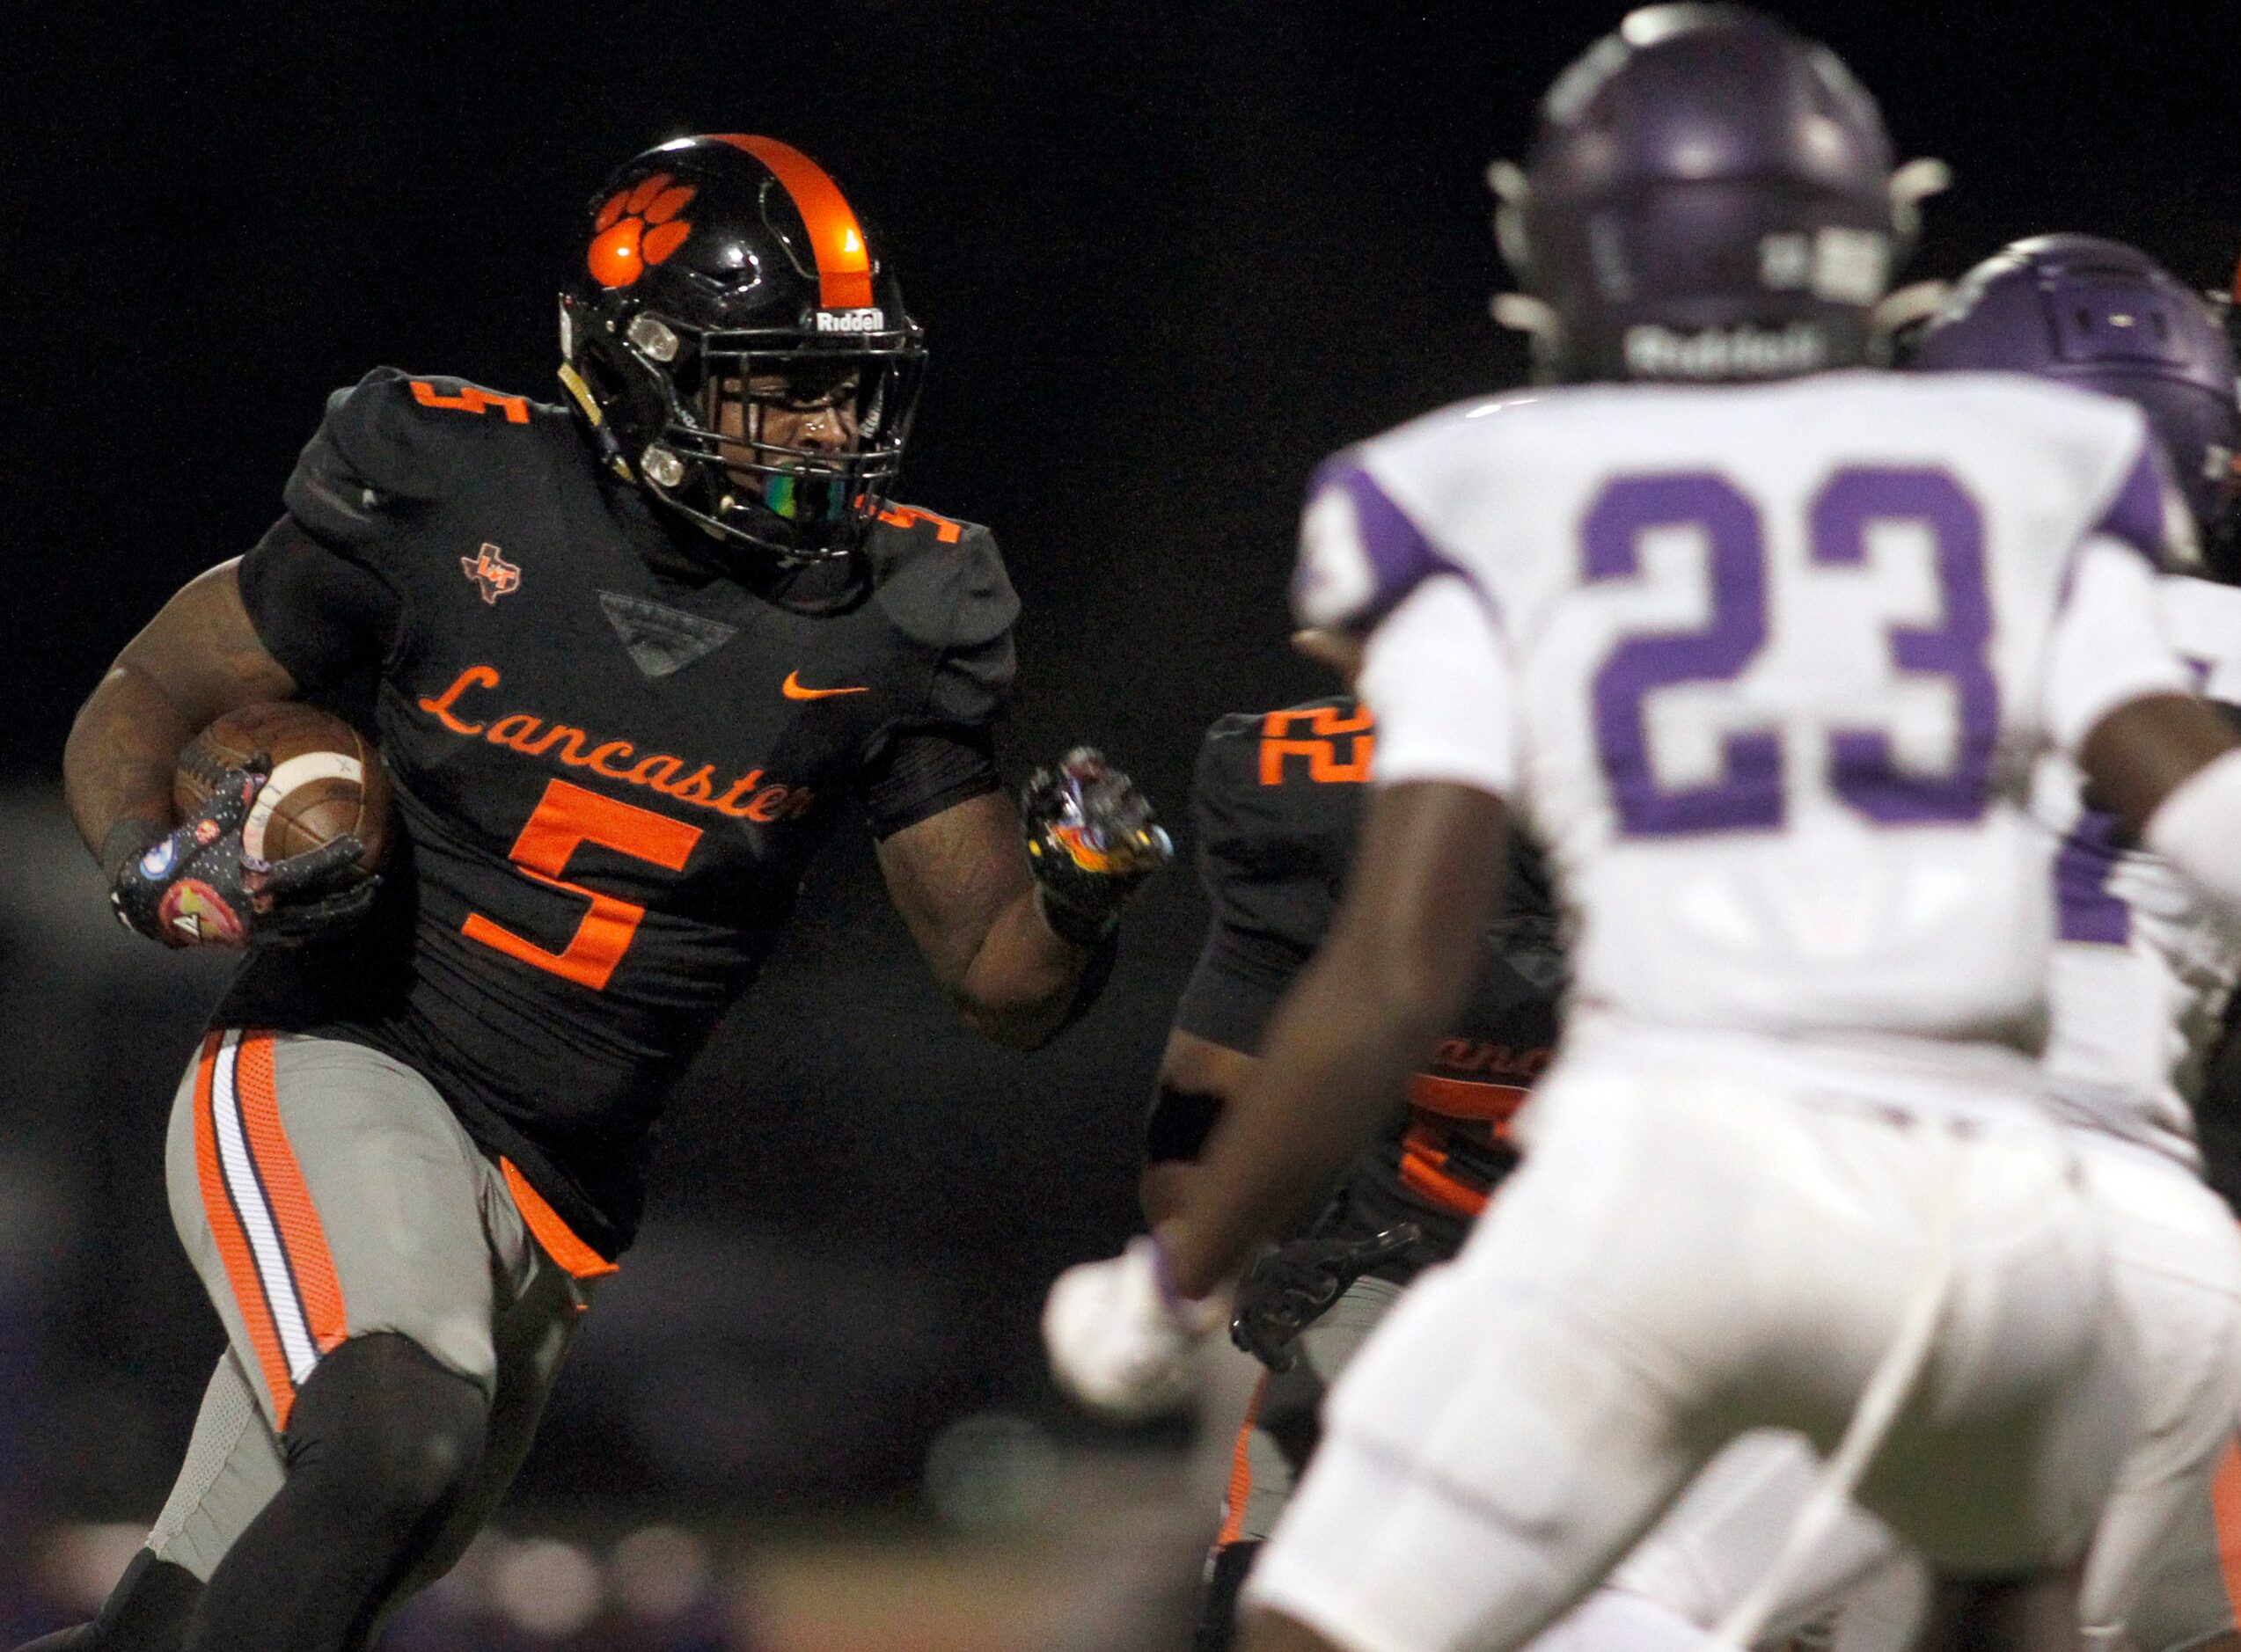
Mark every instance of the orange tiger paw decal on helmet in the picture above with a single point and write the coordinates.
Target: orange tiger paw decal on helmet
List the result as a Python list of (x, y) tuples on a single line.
[(637, 227)]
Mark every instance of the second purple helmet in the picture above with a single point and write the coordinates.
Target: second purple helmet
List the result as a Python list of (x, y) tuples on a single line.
[(1711, 197), (2105, 317)]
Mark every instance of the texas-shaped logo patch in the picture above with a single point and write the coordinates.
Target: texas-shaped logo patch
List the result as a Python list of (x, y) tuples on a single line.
[(492, 573)]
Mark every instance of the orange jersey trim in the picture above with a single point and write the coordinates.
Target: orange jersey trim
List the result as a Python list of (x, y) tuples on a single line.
[(844, 262), (559, 1240), (1466, 1097), (1423, 1172)]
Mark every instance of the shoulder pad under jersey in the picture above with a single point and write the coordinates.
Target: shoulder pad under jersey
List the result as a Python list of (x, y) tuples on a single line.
[(940, 582), (1278, 794), (396, 438)]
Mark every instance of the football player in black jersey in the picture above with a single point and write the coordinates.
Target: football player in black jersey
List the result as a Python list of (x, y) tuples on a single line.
[(1276, 803), (628, 658)]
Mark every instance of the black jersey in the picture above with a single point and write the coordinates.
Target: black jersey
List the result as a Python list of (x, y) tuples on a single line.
[(610, 764), (1276, 802)]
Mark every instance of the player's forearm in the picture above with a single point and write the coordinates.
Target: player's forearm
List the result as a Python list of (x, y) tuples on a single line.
[(1023, 983), (1339, 1052), (1166, 1190), (198, 659), (1429, 874), (118, 762)]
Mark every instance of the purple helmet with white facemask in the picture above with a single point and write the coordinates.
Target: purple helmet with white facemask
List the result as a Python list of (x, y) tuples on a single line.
[(2106, 317), (1711, 197)]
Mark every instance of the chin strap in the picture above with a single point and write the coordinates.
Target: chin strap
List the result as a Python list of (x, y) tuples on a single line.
[(1898, 318), (603, 437), (1543, 326)]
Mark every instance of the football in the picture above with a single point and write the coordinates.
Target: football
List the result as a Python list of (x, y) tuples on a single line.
[(326, 780)]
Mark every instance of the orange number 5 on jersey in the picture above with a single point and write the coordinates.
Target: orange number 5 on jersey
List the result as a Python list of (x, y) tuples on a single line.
[(472, 399), (567, 816)]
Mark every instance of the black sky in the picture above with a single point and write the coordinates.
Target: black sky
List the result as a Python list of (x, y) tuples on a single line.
[(1168, 255)]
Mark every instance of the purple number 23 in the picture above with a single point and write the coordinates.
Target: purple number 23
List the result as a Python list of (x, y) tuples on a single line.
[(1747, 794)]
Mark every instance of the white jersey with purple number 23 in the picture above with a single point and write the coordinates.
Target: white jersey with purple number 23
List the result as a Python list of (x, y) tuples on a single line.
[(1768, 667)]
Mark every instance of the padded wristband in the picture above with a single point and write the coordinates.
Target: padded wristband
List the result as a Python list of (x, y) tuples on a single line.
[(1073, 926), (2197, 828), (128, 840)]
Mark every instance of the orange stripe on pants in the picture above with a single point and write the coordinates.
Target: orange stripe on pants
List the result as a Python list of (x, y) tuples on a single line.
[(233, 1243), (1241, 1473), (2225, 1507), (298, 1219)]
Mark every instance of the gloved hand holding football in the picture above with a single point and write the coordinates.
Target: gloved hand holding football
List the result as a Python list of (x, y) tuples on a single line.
[(1091, 839), (283, 815)]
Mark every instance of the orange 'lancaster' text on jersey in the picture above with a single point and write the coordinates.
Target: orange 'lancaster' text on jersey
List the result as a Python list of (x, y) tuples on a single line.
[(744, 798)]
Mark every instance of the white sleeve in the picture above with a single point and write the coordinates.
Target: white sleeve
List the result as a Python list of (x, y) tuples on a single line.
[(2108, 645), (1436, 676)]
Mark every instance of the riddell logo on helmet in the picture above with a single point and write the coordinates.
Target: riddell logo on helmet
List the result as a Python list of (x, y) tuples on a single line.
[(851, 321), (1744, 352)]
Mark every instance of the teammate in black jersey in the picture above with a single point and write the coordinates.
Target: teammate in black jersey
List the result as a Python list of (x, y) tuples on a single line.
[(628, 658), (1276, 803)]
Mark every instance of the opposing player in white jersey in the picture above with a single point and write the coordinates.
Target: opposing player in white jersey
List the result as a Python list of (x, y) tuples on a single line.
[(2140, 978), (1768, 665)]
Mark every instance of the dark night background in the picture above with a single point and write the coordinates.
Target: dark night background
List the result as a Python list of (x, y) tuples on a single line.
[(1167, 257)]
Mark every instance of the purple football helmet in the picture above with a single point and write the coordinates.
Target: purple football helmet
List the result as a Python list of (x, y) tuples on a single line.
[(1711, 197), (2105, 317)]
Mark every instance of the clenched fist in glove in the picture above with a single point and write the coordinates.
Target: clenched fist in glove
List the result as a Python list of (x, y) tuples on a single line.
[(1091, 839), (1120, 1340), (197, 886)]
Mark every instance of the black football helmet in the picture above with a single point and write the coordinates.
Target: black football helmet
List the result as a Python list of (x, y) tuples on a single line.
[(722, 276)]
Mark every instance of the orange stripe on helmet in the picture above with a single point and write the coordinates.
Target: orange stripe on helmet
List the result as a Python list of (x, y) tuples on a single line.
[(844, 262), (300, 1232), (233, 1243)]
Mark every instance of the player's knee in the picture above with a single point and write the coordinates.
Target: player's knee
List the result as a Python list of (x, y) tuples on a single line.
[(147, 1612), (390, 1431)]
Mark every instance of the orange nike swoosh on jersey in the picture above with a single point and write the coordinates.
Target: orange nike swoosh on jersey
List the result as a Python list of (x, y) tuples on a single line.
[(794, 690)]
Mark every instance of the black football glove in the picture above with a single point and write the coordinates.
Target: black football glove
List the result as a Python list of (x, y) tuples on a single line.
[(1091, 839), (196, 887), (1293, 1285)]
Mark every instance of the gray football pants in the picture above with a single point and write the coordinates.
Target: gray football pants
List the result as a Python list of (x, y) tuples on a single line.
[(324, 1191)]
